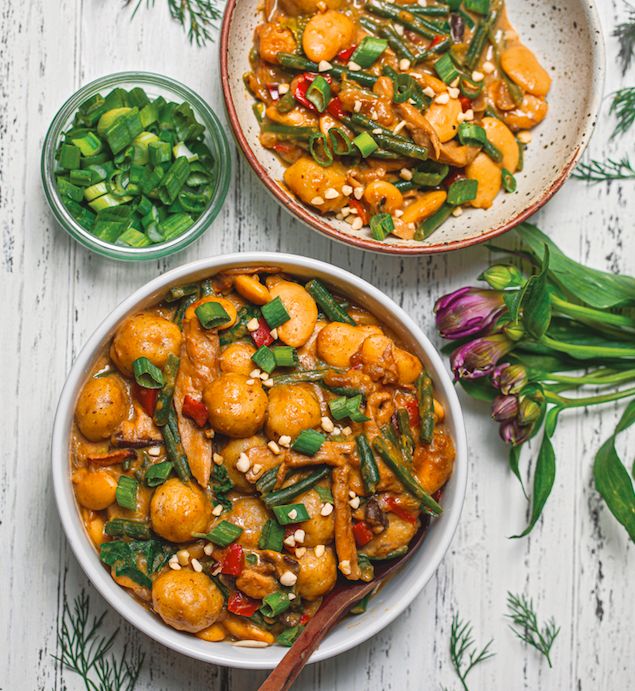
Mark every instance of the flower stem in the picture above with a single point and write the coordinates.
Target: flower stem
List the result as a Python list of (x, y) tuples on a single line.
[(573, 310), (587, 400), (587, 351), (601, 377)]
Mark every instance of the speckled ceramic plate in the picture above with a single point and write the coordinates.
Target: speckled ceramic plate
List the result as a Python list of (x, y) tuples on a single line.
[(567, 39)]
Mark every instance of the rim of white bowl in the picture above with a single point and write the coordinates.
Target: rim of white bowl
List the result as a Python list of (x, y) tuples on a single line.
[(222, 653)]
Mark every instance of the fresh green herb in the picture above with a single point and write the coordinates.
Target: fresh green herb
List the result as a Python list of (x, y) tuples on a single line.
[(625, 33), (463, 651), (87, 652), (198, 17), (137, 560), (126, 494), (623, 107), (222, 534), (291, 513), (221, 484), (308, 442), (605, 171), (525, 625)]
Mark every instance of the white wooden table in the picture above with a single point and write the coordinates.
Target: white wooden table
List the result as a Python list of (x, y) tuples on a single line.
[(577, 564)]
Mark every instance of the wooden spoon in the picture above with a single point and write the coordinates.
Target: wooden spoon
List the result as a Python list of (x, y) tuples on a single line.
[(337, 603)]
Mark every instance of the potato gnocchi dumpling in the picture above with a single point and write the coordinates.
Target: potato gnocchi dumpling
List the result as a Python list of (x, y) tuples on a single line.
[(248, 442)]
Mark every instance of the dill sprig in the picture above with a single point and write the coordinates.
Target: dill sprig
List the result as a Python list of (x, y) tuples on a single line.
[(463, 649), (623, 107), (625, 34), (604, 171), (86, 652), (525, 625), (198, 17)]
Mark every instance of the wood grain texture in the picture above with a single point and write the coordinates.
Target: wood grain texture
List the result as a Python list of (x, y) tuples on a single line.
[(577, 562)]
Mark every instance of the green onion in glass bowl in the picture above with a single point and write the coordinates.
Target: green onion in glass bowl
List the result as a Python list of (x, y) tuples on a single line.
[(135, 166)]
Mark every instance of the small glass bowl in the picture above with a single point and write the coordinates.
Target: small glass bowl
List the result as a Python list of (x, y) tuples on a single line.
[(155, 85)]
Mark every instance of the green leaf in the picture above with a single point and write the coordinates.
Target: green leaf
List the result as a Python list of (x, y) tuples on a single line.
[(612, 480), (480, 389), (551, 420), (536, 301), (514, 460), (595, 288), (544, 478)]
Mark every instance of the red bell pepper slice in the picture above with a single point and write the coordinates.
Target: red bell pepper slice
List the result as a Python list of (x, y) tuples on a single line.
[(412, 407), (233, 561), (146, 397), (393, 505), (305, 619), (195, 410), (435, 41), (465, 102), (362, 211), (363, 534), (335, 109), (302, 85), (242, 605), (345, 55), (262, 335)]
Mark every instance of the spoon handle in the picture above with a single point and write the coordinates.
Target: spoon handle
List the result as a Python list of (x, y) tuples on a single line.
[(326, 617)]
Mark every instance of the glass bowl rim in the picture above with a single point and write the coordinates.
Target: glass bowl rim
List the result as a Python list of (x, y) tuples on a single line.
[(216, 134)]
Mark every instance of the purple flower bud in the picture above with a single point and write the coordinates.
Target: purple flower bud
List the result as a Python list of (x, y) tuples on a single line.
[(505, 408), (467, 312), (510, 379), (514, 433), (479, 357)]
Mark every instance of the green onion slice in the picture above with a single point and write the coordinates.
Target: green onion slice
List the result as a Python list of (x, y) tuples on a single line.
[(308, 442), (381, 225), (462, 191), (341, 143), (272, 536), (365, 144), (265, 359), (158, 473), (509, 181), (275, 603), (319, 93), (284, 356), (369, 50), (446, 69), (126, 493), (289, 636), (146, 374), (275, 313), (404, 88), (211, 314), (319, 149), (222, 534), (290, 513)]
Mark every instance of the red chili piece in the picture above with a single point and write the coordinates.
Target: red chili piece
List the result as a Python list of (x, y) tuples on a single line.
[(362, 211), (234, 561), (242, 605), (305, 619), (302, 85), (393, 505), (335, 109), (146, 397), (195, 410), (363, 534), (345, 55), (465, 102), (412, 406), (262, 335), (435, 41)]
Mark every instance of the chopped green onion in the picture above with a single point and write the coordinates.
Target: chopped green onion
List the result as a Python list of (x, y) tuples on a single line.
[(89, 144), (308, 442), (132, 237), (222, 534), (284, 356), (211, 314), (341, 143), (159, 152), (325, 494), (446, 69), (175, 224), (344, 407), (70, 190), (462, 191), (470, 89), (367, 464), (365, 144), (158, 473), (275, 313), (173, 181), (430, 174), (126, 493), (369, 50), (289, 636), (290, 513), (265, 359), (509, 181), (125, 527), (404, 88), (272, 536), (95, 191), (319, 150), (275, 603), (381, 226), (320, 293), (69, 156), (477, 6), (146, 374), (319, 93)]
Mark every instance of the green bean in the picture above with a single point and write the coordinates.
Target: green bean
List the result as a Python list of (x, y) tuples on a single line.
[(407, 478), (177, 293), (289, 131), (367, 464), (183, 305), (297, 62), (267, 481), (303, 376), (388, 139), (406, 440), (426, 407), (417, 24), (388, 32), (174, 448), (427, 227), (404, 185), (321, 294), (164, 401), (284, 495)]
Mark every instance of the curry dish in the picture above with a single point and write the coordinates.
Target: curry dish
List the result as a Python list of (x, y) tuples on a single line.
[(395, 115), (246, 442)]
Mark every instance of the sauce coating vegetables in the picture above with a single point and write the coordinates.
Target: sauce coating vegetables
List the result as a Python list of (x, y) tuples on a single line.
[(230, 466), (378, 109)]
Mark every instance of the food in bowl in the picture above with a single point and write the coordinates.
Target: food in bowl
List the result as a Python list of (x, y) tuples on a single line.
[(247, 441), (395, 116), (133, 170)]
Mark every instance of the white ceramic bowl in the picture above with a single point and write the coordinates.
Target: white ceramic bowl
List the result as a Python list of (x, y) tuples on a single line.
[(391, 599), (566, 36)]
